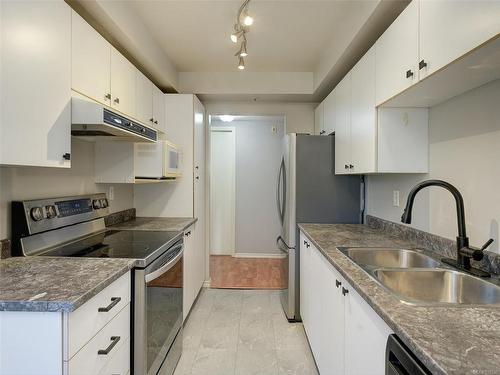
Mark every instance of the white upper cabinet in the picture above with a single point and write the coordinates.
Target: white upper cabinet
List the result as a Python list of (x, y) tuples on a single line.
[(143, 99), (450, 29), (91, 62), (159, 110), (397, 55), (122, 83), (363, 115), (329, 119), (35, 88), (343, 126), (319, 119)]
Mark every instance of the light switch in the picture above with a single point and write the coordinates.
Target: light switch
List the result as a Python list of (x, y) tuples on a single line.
[(395, 198)]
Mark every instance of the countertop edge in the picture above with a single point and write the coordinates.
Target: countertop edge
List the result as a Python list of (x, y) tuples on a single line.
[(126, 225), (423, 356)]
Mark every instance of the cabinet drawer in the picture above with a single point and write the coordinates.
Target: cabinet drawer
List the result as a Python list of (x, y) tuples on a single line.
[(87, 320), (88, 361), (119, 364)]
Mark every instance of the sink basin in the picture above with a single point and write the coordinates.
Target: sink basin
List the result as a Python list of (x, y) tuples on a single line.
[(438, 286), (389, 258)]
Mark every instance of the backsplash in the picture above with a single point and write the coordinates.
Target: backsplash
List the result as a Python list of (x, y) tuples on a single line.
[(440, 245), (120, 217), (4, 249)]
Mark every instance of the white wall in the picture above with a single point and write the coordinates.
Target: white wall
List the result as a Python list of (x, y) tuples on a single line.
[(32, 183), (465, 151), (258, 155), (299, 117)]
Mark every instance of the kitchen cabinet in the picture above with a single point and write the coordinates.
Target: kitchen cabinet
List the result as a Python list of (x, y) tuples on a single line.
[(193, 268), (397, 55), (340, 325), (67, 343), (450, 29), (91, 61), (144, 99), (319, 119), (35, 89), (343, 126), (329, 108), (159, 110), (122, 83)]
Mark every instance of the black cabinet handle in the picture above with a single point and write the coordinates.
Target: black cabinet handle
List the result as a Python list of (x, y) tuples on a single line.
[(422, 64), (114, 341), (114, 302), (346, 166), (307, 244), (156, 122), (107, 96), (351, 166), (337, 283), (409, 74), (67, 156), (322, 132), (188, 234), (344, 291), (117, 100), (152, 119)]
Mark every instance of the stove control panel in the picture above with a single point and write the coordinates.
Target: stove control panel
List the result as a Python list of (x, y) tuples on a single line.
[(35, 216)]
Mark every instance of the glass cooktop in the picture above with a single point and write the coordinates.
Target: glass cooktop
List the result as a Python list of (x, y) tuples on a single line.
[(142, 245)]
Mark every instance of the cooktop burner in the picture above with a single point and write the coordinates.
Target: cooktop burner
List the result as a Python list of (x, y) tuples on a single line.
[(142, 245)]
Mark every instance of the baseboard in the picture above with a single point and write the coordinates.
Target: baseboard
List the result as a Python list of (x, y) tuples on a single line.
[(259, 255)]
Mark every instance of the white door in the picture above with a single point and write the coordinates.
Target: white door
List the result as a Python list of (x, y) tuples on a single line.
[(222, 190), (343, 126), (397, 55), (159, 110), (450, 29), (35, 87), (91, 61), (363, 115), (143, 99), (122, 83)]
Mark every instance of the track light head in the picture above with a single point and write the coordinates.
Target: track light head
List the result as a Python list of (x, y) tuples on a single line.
[(248, 20), (241, 63)]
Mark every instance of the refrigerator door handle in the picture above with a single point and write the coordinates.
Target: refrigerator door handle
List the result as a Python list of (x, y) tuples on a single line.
[(278, 190), (280, 242)]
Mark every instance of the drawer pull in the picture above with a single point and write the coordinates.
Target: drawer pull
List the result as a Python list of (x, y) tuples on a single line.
[(114, 341), (114, 302)]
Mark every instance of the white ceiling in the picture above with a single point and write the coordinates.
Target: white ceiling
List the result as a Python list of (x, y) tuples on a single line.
[(287, 36)]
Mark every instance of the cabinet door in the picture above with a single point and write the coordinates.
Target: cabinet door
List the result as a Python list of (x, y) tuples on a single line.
[(91, 61), (188, 269), (365, 336), (363, 115), (159, 110), (122, 83), (35, 124), (304, 283), (397, 55), (450, 29), (316, 312), (343, 126), (143, 98), (329, 113), (319, 119)]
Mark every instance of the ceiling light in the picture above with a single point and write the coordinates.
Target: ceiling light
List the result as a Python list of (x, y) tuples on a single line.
[(237, 34), (248, 20), (243, 49), (241, 63), (226, 118)]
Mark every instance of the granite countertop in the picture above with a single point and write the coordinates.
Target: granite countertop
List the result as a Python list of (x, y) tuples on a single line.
[(55, 284), (157, 223), (448, 340)]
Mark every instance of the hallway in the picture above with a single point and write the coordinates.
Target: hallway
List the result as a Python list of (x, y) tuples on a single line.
[(236, 332)]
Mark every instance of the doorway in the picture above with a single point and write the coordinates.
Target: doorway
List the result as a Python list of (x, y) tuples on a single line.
[(245, 155)]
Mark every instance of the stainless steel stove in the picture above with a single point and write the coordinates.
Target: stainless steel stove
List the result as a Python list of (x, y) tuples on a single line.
[(74, 227)]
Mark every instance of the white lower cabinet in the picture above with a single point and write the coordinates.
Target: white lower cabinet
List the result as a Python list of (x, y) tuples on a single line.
[(85, 341), (193, 269), (345, 334)]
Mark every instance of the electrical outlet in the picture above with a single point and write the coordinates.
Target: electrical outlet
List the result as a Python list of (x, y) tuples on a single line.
[(111, 193), (395, 198)]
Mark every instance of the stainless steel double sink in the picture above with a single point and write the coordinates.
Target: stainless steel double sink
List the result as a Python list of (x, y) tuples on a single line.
[(416, 278)]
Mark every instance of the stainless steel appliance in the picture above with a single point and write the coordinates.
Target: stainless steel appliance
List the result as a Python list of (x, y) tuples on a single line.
[(93, 121), (399, 360), (74, 226), (308, 191)]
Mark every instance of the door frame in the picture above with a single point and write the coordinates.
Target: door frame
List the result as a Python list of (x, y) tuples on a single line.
[(232, 130)]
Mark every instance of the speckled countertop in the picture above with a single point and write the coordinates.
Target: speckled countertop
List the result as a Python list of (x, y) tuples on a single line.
[(157, 223), (448, 340), (55, 284)]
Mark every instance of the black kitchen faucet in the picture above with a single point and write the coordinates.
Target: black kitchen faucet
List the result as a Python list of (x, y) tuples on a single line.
[(464, 252)]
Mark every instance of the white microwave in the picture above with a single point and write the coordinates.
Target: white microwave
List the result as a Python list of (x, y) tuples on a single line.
[(160, 160)]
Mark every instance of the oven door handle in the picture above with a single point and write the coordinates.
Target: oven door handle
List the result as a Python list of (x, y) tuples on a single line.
[(167, 266)]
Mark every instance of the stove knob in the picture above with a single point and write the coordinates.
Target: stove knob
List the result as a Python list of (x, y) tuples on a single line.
[(96, 203), (36, 213), (104, 202), (51, 211)]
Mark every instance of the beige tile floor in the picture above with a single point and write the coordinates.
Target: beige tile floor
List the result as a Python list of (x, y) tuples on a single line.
[(243, 332)]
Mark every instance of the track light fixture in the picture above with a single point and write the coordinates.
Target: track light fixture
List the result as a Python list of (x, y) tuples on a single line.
[(243, 20)]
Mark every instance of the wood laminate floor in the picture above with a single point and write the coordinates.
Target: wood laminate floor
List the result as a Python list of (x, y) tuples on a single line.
[(247, 273)]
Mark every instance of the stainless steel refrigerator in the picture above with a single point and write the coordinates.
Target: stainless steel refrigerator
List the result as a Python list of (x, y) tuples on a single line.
[(308, 191)]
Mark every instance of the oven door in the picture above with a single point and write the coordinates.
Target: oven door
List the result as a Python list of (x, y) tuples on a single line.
[(158, 318)]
